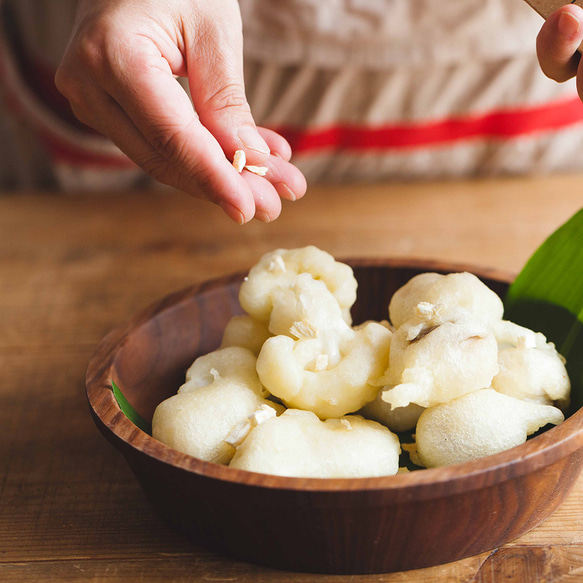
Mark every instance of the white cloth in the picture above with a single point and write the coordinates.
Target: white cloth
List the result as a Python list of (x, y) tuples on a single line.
[(385, 33)]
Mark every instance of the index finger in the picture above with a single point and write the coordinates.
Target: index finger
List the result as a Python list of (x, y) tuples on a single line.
[(140, 80)]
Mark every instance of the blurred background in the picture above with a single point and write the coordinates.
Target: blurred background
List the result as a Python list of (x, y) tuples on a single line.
[(364, 91)]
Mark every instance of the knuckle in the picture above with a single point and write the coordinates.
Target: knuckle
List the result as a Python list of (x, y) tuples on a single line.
[(552, 69), (229, 97), (65, 82), (156, 167), (560, 74), (559, 78), (96, 48), (170, 142), (83, 115), (82, 57), (72, 88), (554, 75), (192, 175), (89, 52)]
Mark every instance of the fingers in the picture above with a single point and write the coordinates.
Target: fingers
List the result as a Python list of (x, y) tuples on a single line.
[(162, 112), (104, 114), (216, 83), (247, 195), (122, 83), (266, 198), (143, 109), (278, 145), (558, 41), (191, 157), (287, 180), (282, 181)]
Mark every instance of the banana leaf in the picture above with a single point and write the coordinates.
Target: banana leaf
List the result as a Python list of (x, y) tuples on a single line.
[(547, 296), (129, 411)]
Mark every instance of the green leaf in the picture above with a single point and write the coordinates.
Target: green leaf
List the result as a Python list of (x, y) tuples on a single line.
[(547, 296), (129, 411)]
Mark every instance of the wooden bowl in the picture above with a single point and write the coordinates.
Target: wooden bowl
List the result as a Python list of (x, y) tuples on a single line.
[(365, 525)]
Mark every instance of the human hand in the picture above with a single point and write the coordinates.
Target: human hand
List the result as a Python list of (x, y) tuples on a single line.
[(557, 44), (119, 75)]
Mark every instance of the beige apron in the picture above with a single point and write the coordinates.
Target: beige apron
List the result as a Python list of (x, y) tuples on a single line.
[(363, 89), (385, 89)]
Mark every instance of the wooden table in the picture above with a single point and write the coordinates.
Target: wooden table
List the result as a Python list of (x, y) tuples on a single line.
[(72, 268)]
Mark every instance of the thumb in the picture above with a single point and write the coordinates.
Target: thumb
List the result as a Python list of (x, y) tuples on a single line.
[(215, 74), (558, 41)]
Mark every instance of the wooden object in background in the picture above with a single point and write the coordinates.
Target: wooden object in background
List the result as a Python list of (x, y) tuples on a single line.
[(546, 7)]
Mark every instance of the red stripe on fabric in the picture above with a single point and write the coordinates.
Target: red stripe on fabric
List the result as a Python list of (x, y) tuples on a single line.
[(492, 125), (63, 151)]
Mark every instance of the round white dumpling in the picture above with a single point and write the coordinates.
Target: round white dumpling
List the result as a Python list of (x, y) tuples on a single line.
[(396, 419), (530, 367), (246, 332), (307, 306), (298, 444), (233, 363), (532, 375), (222, 392), (438, 356), (197, 422), (304, 376), (279, 270), (476, 425), (455, 290)]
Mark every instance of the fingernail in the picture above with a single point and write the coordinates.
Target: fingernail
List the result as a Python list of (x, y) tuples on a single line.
[(252, 140), (568, 25), (290, 195), (261, 216), (233, 212)]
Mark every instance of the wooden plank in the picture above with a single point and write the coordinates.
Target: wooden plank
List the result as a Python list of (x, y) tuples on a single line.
[(499, 222), (100, 265), (565, 526), (517, 564), (64, 491), (209, 568), (528, 564)]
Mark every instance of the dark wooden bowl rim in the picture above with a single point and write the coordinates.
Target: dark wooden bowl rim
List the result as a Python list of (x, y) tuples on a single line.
[(531, 456)]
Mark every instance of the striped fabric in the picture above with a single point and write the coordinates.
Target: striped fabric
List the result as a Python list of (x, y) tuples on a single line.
[(362, 89), (521, 122), (42, 144)]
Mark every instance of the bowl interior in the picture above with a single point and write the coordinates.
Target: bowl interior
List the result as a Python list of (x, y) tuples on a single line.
[(152, 363)]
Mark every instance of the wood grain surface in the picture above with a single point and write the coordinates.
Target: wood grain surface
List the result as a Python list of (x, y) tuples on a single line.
[(73, 268)]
